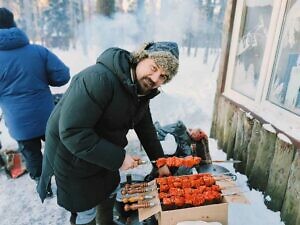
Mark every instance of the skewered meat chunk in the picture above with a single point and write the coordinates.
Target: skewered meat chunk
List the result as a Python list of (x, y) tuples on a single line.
[(189, 190), (179, 201), (161, 180), (164, 188), (188, 161), (209, 181), (198, 200), (199, 190), (211, 195), (176, 192), (191, 161), (189, 199), (163, 195), (177, 184), (161, 162)]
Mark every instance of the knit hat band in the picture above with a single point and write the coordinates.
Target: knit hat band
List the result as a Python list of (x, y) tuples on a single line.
[(166, 61)]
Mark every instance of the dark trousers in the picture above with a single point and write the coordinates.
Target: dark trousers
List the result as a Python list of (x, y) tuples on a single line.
[(31, 151)]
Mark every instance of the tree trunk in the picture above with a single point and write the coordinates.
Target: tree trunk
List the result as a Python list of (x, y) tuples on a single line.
[(105, 7)]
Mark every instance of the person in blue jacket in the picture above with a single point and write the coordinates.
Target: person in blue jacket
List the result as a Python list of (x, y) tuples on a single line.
[(26, 71)]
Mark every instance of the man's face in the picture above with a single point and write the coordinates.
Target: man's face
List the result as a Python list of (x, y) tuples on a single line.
[(149, 76)]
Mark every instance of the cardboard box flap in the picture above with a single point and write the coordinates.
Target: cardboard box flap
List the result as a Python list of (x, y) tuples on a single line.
[(147, 212), (232, 193)]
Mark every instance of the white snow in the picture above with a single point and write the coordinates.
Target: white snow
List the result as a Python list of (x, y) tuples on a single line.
[(268, 198), (169, 144), (284, 138), (249, 115), (269, 128)]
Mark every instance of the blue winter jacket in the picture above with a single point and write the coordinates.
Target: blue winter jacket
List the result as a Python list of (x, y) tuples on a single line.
[(26, 71)]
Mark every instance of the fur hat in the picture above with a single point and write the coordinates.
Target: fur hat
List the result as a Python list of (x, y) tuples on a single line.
[(6, 19), (164, 54)]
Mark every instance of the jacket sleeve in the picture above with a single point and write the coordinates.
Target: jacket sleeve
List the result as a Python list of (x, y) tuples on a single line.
[(146, 132), (57, 72), (83, 106)]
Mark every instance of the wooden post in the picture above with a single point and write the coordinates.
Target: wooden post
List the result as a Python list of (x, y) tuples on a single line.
[(231, 136), (222, 106), (242, 153), (239, 134), (261, 167), (279, 172), (227, 125), (290, 212), (226, 37), (253, 146)]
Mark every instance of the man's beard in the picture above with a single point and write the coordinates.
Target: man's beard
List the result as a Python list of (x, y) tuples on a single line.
[(145, 86)]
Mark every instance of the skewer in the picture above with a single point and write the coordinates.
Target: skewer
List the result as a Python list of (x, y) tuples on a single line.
[(136, 185), (138, 206), (136, 198), (209, 161), (233, 193), (136, 190)]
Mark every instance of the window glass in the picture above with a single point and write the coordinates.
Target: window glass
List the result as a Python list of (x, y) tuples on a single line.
[(284, 89), (251, 47)]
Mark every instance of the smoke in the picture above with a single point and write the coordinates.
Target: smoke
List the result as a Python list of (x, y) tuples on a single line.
[(168, 21)]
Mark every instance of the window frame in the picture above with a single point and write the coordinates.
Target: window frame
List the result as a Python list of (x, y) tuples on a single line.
[(260, 105)]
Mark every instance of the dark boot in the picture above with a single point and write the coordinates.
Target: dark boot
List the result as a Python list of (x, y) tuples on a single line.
[(73, 220), (105, 212), (49, 191)]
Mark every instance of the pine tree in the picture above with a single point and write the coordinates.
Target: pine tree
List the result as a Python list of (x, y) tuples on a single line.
[(56, 24)]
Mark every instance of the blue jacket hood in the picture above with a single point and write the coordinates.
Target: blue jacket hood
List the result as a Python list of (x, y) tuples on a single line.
[(12, 38)]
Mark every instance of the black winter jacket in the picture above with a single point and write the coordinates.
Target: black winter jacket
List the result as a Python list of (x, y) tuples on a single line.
[(86, 133)]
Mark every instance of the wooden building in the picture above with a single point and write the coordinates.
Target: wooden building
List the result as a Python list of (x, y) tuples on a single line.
[(257, 104)]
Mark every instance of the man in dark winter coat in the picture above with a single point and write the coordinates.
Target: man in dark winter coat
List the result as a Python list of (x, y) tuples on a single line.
[(86, 133), (26, 71)]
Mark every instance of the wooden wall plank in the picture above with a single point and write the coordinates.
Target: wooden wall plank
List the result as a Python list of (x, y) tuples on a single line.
[(253, 146), (290, 212), (265, 153), (279, 173)]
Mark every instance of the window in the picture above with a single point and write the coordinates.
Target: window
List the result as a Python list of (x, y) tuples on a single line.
[(284, 89), (263, 72), (251, 46)]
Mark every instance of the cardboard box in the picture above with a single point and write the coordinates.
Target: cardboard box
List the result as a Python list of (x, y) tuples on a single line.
[(208, 213)]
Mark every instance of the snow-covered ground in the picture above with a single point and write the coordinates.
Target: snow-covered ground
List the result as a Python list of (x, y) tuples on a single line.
[(189, 97)]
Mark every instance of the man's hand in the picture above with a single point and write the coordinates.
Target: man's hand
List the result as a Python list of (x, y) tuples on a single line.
[(164, 171), (130, 162)]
